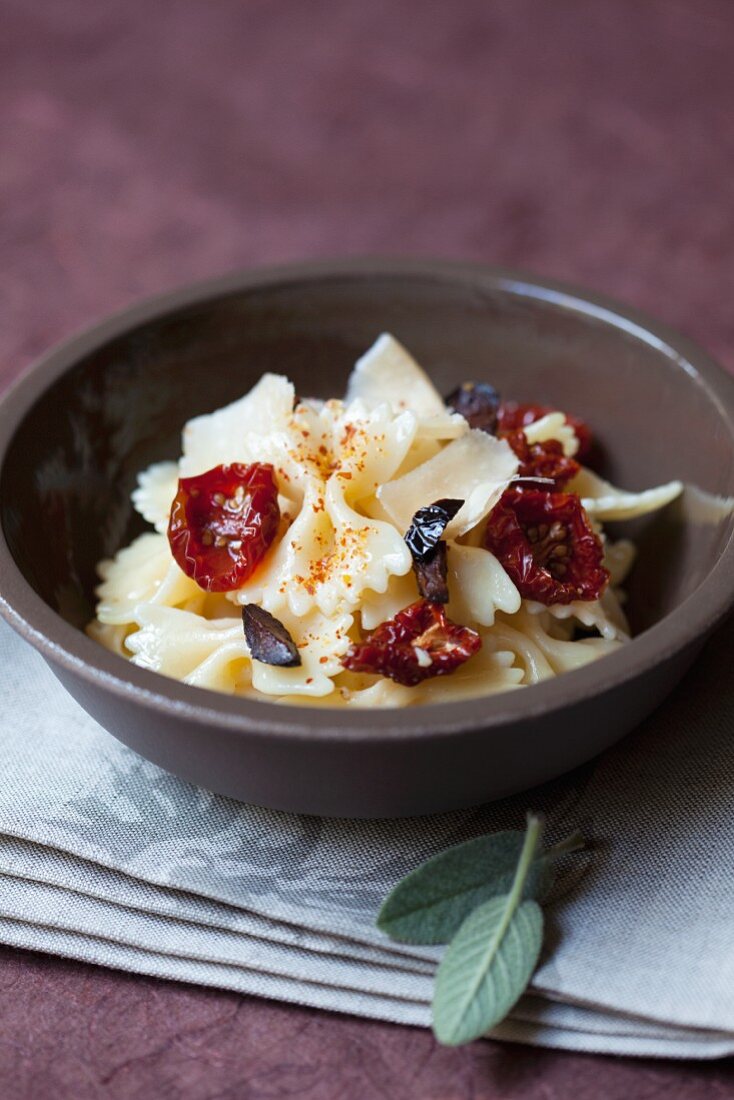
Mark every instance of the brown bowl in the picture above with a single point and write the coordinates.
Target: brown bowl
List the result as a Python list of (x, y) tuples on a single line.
[(80, 425)]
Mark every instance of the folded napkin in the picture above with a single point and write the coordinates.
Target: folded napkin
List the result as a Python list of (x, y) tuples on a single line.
[(106, 858)]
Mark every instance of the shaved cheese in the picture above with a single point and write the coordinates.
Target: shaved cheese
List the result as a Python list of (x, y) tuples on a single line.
[(475, 468), (226, 436), (389, 373), (603, 501), (446, 426)]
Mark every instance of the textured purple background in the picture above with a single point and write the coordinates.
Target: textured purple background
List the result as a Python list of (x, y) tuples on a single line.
[(145, 144)]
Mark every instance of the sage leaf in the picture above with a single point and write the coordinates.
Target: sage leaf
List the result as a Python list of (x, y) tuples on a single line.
[(429, 905), (485, 970), (490, 961)]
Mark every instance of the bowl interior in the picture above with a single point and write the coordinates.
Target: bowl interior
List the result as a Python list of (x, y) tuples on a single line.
[(66, 481)]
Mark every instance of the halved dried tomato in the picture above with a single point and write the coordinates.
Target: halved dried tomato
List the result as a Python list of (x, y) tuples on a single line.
[(547, 546), (544, 459), (222, 522), (513, 416), (420, 642)]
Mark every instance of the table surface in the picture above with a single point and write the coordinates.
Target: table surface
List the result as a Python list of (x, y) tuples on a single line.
[(144, 145)]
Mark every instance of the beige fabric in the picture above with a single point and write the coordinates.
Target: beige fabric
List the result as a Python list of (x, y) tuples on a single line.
[(104, 857)]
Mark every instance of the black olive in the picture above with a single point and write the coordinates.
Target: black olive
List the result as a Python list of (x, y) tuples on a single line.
[(478, 403), (428, 524), (268, 639), (432, 573)]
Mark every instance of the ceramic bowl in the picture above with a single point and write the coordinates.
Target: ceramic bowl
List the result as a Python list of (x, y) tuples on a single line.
[(80, 425)]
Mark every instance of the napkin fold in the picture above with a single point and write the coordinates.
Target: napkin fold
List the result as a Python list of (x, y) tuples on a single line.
[(106, 858)]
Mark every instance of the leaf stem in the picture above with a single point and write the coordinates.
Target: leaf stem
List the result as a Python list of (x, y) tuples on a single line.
[(532, 837), (533, 831), (573, 843)]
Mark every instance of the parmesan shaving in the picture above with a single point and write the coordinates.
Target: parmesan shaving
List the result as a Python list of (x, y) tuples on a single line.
[(475, 468)]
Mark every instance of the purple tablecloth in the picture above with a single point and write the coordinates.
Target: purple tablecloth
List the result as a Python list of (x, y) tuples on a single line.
[(148, 144)]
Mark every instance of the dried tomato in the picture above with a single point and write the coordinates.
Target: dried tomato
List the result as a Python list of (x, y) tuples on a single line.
[(547, 546), (478, 403), (222, 522), (544, 459), (512, 416), (420, 642)]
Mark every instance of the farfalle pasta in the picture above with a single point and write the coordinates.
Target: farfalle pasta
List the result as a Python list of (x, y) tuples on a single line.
[(390, 549)]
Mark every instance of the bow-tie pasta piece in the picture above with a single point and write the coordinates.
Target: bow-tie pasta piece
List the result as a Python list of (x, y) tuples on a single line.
[(143, 572), (370, 445), (111, 637), (383, 693), (528, 657), (605, 615), (301, 448), (490, 672), (322, 642), (332, 552), (155, 492), (181, 644), (478, 585), (553, 426), (286, 578), (378, 607), (367, 551), (562, 655)]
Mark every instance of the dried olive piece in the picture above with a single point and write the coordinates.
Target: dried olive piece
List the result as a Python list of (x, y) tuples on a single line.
[(268, 639), (428, 524), (478, 403), (432, 574)]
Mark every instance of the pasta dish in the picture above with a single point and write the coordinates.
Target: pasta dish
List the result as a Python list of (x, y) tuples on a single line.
[(392, 548)]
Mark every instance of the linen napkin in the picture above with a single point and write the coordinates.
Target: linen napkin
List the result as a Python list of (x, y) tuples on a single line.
[(106, 858)]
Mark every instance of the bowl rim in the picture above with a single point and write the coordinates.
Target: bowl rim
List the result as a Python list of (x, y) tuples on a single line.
[(68, 647)]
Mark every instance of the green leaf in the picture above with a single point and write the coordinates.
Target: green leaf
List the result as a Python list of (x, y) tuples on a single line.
[(485, 970), (490, 961), (430, 904)]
